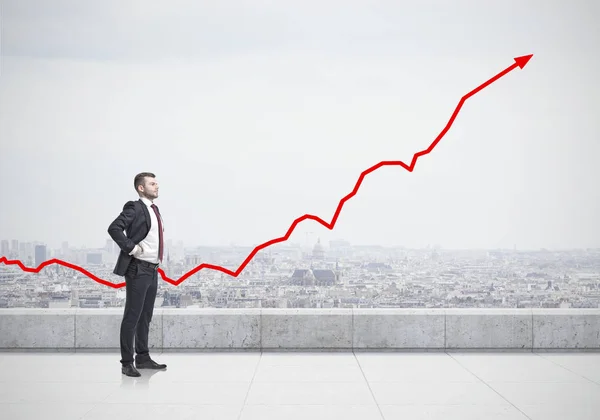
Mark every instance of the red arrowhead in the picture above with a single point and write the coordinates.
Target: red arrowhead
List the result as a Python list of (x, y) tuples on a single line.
[(522, 61)]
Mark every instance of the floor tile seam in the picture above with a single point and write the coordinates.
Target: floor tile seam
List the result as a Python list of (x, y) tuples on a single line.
[(369, 386), (239, 416), (567, 369), (94, 407), (490, 387), (117, 385)]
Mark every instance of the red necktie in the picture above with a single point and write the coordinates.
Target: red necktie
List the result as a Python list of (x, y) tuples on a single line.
[(160, 233)]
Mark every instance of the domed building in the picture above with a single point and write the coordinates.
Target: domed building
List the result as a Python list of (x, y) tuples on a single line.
[(318, 251)]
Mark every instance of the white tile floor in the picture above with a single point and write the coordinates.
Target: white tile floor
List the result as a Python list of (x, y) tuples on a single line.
[(313, 386)]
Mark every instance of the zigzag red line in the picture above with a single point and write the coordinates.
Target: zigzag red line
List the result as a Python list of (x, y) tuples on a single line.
[(519, 62)]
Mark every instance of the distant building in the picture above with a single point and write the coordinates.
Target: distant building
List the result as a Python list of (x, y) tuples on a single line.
[(378, 267), (109, 246), (4, 248), (14, 249), (40, 254), (94, 258), (314, 277), (318, 251)]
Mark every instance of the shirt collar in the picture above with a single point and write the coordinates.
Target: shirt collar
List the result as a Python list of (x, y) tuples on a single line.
[(146, 201)]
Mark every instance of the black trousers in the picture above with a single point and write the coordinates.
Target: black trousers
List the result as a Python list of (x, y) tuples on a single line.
[(141, 283)]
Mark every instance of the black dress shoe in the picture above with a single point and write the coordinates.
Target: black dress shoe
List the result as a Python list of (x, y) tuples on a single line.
[(149, 364), (129, 370)]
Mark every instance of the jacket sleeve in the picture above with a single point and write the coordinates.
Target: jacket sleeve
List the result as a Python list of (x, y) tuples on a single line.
[(122, 222)]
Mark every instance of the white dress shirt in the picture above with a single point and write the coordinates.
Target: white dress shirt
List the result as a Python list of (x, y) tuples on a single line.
[(147, 249)]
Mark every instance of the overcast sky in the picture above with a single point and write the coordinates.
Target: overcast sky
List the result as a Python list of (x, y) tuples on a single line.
[(253, 113)]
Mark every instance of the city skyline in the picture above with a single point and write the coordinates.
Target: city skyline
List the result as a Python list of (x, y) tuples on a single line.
[(300, 244), (341, 275)]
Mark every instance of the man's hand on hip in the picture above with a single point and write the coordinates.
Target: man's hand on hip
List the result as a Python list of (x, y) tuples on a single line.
[(137, 251)]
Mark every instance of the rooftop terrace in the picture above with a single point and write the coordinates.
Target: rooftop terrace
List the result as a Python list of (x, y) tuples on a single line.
[(306, 364)]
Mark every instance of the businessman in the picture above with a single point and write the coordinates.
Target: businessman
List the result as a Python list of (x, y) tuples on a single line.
[(139, 259)]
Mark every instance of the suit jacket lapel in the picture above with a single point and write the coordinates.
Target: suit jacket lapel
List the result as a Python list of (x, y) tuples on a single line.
[(146, 213)]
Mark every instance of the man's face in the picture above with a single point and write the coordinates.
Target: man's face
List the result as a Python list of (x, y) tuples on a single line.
[(150, 188)]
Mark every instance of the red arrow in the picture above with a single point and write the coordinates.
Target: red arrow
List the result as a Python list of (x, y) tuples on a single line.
[(519, 62), (523, 60)]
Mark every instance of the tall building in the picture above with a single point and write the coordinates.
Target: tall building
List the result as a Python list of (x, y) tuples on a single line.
[(109, 246), (25, 251), (4, 249), (40, 254), (14, 249), (94, 258)]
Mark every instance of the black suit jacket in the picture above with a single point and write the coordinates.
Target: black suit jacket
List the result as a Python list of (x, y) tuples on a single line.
[(135, 219)]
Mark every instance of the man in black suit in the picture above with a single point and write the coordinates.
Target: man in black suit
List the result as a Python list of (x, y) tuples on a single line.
[(139, 259)]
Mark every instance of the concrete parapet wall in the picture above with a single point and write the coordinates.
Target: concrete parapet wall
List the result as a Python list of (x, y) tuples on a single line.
[(308, 329)]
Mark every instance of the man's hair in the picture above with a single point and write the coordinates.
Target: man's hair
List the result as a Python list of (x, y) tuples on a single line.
[(140, 178)]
